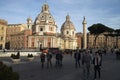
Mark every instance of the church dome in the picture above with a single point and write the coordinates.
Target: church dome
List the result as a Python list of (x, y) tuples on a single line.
[(68, 24), (44, 23), (45, 16), (29, 19)]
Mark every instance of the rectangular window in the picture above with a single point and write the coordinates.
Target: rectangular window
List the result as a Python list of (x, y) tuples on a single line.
[(32, 45), (1, 38), (73, 32), (67, 32), (41, 29), (50, 28), (2, 28)]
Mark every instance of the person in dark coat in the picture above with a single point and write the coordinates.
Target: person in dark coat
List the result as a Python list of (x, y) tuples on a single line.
[(97, 65), (59, 58), (42, 57), (86, 62), (77, 57), (49, 58)]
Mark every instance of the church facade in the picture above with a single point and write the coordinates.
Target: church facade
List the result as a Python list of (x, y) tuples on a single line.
[(44, 32)]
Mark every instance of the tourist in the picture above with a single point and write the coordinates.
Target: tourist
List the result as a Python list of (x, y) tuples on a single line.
[(42, 57), (97, 64), (77, 57), (86, 62), (59, 58), (49, 57)]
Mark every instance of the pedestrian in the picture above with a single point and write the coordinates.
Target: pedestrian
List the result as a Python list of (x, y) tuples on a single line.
[(91, 54), (42, 57), (86, 62), (49, 58), (97, 65), (77, 57), (71, 52), (112, 50), (100, 54), (105, 51), (59, 58)]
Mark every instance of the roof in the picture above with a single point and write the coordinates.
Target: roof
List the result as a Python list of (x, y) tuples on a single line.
[(68, 24)]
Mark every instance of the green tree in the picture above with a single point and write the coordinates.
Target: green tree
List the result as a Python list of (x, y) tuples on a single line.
[(109, 32), (6, 73), (117, 34), (97, 29)]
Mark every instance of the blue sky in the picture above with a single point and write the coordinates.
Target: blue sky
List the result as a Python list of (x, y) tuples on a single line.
[(106, 12)]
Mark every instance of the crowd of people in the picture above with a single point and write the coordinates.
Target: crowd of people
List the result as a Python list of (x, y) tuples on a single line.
[(48, 56), (83, 59)]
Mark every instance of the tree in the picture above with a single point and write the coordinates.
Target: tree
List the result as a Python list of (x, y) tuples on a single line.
[(109, 32), (6, 73), (117, 34), (97, 29)]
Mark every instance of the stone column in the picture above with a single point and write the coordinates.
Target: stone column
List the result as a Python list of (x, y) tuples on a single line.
[(84, 34)]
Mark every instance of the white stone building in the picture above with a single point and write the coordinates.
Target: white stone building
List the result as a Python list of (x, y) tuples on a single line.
[(68, 34), (44, 31)]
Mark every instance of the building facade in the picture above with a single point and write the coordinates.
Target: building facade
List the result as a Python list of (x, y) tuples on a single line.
[(12, 31), (3, 26), (44, 30), (103, 41), (20, 40), (79, 40), (68, 34)]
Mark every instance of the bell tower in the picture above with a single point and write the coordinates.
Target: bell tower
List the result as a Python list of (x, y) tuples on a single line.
[(29, 23)]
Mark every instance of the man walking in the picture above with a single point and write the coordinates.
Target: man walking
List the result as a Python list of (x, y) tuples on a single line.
[(49, 57), (42, 57), (77, 57), (59, 58), (97, 64), (86, 61)]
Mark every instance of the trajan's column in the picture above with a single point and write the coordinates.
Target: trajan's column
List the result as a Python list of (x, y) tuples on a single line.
[(84, 34)]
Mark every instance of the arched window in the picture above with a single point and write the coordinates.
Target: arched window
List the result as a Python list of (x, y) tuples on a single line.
[(67, 32), (73, 32)]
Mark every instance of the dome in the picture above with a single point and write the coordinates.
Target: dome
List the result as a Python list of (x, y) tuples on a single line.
[(68, 24), (45, 16), (29, 19)]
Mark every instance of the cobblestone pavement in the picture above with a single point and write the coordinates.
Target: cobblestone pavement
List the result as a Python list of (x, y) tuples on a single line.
[(32, 70)]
